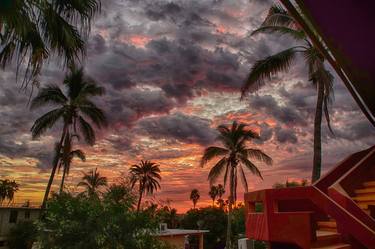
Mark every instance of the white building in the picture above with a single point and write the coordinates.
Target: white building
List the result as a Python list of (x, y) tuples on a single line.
[(10, 216)]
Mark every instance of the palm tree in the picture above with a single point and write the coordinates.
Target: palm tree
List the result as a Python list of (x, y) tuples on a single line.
[(280, 22), (73, 109), (35, 30), (220, 190), (194, 196), (7, 190), (92, 181), (67, 156), (235, 156), (213, 194), (147, 175)]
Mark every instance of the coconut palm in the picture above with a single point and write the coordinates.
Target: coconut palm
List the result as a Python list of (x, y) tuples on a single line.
[(213, 194), (194, 196), (7, 190), (92, 181), (33, 31), (235, 155), (73, 108), (66, 158), (147, 175), (278, 21)]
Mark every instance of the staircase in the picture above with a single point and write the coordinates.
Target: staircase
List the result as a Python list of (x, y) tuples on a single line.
[(365, 197), (338, 211), (327, 236)]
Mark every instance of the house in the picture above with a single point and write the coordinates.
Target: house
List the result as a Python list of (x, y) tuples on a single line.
[(10, 216), (179, 238)]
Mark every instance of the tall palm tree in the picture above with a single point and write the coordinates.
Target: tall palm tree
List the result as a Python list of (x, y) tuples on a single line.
[(213, 194), (7, 190), (32, 31), (147, 175), (278, 21), (235, 155), (92, 181), (67, 155), (73, 108), (194, 196)]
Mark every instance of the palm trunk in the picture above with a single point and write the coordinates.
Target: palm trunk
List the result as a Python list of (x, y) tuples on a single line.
[(140, 198), (317, 162), (63, 180), (54, 167), (229, 225), (213, 202)]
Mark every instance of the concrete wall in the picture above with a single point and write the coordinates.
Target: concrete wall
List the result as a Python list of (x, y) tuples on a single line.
[(22, 214)]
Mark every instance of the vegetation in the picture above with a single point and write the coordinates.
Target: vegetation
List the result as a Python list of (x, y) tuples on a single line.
[(290, 184), (147, 175), (235, 156), (194, 197), (278, 21), (92, 181), (82, 222), (213, 194), (73, 108), (7, 190), (22, 235), (33, 31)]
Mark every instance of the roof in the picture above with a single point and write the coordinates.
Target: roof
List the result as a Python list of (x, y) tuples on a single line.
[(177, 232)]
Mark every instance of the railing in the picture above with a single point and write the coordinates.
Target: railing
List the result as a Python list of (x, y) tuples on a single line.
[(290, 214)]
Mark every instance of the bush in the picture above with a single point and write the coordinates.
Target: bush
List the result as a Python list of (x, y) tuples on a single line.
[(22, 235), (79, 222)]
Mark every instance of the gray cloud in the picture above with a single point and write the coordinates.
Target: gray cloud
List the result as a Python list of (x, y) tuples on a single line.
[(189, 129)]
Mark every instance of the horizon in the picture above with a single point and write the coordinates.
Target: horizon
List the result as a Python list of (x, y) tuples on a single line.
[(172, 75)]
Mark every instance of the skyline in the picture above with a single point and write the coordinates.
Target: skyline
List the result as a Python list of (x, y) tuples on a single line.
[(173, 71)]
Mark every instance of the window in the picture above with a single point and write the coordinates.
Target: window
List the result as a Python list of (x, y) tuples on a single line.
[(13, 216), (27, 214)]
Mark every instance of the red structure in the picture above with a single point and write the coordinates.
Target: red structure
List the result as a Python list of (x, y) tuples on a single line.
[(336, 212)]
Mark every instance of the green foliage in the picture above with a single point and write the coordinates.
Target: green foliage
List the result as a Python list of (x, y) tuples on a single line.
[(195, 196), (290, 184), (213, 219), (147, 175), (22, 235), (34, 31), (79, 222)]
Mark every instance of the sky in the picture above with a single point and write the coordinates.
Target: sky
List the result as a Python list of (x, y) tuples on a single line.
[(172, 71)]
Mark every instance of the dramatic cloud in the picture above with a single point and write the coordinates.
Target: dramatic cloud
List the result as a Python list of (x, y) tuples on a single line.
[(172, 71)]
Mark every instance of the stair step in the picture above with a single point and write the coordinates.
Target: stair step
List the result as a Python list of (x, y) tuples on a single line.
[(367, 197), (326, 238), (336, 246), (327, 224), (365, 190), (369, 184), (365, 204)]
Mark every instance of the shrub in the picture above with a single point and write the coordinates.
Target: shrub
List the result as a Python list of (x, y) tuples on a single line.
[(22, 235)]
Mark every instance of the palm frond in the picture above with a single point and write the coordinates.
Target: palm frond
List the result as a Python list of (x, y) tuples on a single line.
[(212, 152), (243, 179), (95, 114), (87, 131), (217, 170), (298, 35), (50, 94), (45, 122), (258, 155), (264, 69), (249, 165)]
